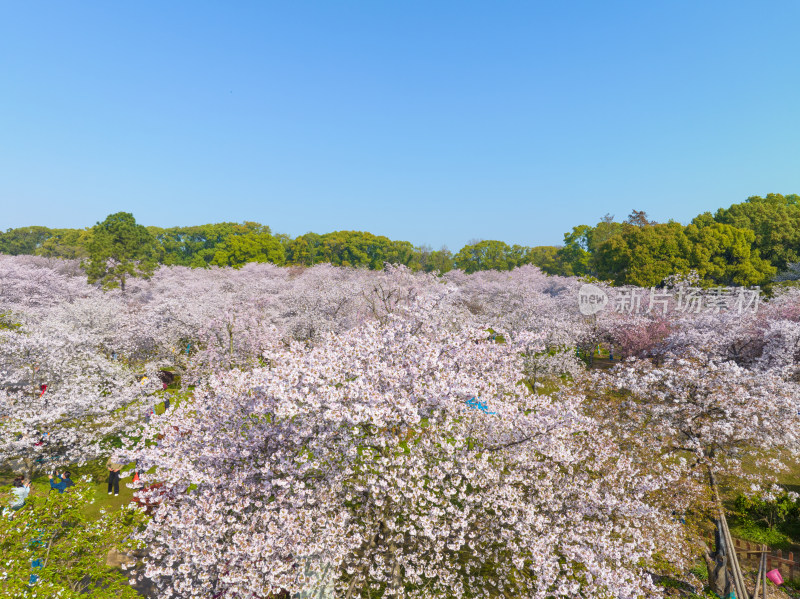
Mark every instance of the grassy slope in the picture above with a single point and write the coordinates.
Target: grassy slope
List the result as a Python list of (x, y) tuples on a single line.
[(789, 538)]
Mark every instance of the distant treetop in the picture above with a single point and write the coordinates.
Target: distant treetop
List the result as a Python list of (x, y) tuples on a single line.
[(745, 244)]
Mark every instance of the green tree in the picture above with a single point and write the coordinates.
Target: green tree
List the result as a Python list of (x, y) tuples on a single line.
[(574, 256), (402, 252), (51, 548), (254, 245), (119, 249), (351, 248), (775, 223), (545, 257), (23, 240), (486, 255), (726, 255), (603, 231), (358, 249), (440, 260), (197, 246), (304, 250), (66, 243), (643, 254), (578, 256), (299, 252)]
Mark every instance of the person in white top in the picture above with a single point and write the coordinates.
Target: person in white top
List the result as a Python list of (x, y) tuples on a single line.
[(21, 490)]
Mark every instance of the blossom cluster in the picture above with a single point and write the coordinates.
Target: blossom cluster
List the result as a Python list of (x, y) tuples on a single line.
[(404, 433)]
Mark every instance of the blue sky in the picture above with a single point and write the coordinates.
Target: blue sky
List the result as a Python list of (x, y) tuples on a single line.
[(433, 122)]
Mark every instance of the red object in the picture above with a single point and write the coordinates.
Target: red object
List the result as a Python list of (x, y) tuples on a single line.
[(775, 576), (165, 385), (135, 477), (157, 494), (43, 388)]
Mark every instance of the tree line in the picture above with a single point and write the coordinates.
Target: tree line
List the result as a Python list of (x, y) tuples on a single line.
[(746, 244)]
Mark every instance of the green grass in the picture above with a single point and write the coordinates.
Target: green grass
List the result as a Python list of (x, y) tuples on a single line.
[(786, 536), (700, 570), (758, 534), (95, 469), (791, 588), (99, 475)]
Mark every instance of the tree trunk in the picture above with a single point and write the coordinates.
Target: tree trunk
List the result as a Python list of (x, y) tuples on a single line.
[(396, 585), (30, 468), (717, 564), (726, 571), (372, 544), (230, 346)]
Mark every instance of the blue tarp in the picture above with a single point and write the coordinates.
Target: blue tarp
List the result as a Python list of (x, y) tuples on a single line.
[(37, 563), (474, 404)]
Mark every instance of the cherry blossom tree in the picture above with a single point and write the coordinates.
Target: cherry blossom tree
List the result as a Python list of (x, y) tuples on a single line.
[(62, 396), (32, 281), (62, 399), (377, 424), (712, 416), (363, 453), (638, 336)]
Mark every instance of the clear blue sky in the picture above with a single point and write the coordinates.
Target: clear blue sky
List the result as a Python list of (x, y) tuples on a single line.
[(433, 122)]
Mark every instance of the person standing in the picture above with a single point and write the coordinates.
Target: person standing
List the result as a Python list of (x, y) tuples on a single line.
[(113, 475)]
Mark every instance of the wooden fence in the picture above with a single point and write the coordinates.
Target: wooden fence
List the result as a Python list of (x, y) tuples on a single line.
[(788, 566)]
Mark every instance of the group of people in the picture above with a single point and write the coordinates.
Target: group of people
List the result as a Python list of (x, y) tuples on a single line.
[(22, 485), (21, 488)]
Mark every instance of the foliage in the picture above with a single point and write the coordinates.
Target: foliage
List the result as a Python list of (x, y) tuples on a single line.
[(356, 248), (119, 248), (257, 245), (725, 254), (643, 252), (771, 517), (772, 510), (758, 533), (744, 244), (488, 255), (69, 244), (775, 223), (440, 260), (23, 240), (69, 549)]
